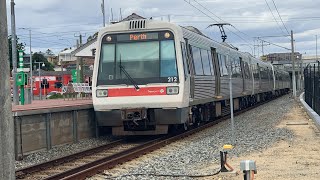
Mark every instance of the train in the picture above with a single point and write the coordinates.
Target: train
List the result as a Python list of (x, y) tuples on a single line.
[(151, 77)]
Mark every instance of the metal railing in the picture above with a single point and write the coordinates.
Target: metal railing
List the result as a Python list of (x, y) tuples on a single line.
[(312, 86)]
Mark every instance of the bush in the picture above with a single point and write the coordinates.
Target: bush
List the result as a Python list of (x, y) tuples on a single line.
[(56, 96)]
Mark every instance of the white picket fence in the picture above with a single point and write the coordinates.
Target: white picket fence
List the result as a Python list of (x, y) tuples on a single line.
[(77, 90)]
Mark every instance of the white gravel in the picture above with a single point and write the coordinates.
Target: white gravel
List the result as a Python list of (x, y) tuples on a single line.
[(255, 130), (59, 151)]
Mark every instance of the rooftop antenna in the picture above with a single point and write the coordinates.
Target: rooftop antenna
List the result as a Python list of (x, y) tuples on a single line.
[(223, 33), (111, 15)]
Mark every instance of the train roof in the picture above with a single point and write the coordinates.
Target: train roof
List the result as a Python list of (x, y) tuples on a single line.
[(143, 24)]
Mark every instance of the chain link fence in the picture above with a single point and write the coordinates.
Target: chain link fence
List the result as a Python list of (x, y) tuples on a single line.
[(312, 86)]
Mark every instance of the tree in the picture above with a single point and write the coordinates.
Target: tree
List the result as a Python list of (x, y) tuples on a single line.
[(39, 57), (20, 46), (49, 52)]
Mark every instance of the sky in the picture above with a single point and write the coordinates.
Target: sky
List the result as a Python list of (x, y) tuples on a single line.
[(56, 24)]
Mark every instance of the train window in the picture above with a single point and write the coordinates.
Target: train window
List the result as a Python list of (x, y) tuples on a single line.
[(211, 61), (138, 63), (236, 68), (197, 61), (223, 65), (168, 59), (255, 71), (246, 71), (107, 61), (184, 59), (205, 62)]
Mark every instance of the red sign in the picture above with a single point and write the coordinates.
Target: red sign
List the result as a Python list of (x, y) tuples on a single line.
[(145, 91)]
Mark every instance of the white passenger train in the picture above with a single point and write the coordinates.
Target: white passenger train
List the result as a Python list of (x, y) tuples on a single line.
[(152, 75)]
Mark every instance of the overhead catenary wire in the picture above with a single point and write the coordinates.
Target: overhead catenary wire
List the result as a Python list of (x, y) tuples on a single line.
[(221, 19), (274, 16), (280, 16), (215, 20)]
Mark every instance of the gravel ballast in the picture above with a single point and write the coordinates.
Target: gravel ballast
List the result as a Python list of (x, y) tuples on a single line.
[(60, 151), (256, 130)]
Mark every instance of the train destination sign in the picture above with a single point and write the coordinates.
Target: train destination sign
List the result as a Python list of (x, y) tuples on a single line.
[(137, 36)]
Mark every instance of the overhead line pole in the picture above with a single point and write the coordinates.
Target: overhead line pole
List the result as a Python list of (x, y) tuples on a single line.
[(14, 54), (103, 13), (294, 93), (7, 169), (31, 68)]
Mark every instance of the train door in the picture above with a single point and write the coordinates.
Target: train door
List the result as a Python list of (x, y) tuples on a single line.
[(259, 72), (216, 66), (191, 69)]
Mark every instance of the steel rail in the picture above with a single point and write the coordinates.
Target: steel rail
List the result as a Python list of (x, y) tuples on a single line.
[(108, 162), (21, 173)]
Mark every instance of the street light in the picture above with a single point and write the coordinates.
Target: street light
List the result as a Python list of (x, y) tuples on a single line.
[(43, 65)]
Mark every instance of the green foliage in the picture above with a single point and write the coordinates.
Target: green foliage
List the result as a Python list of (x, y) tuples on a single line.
[(39, 57), (20, 46), (56, 96), (49, 52)]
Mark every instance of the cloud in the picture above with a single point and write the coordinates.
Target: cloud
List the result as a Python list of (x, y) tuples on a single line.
[(54, 23)]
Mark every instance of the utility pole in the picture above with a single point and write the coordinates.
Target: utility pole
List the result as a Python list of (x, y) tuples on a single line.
[(31, 66), (80, 61), (103, 13), (293, 68), (7, 169), (14, 54), (316, 48)]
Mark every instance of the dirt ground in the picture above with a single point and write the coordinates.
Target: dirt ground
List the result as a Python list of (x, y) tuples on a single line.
[(296, 159)]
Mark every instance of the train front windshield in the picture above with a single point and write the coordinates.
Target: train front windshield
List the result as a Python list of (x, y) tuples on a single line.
[(144, 57)]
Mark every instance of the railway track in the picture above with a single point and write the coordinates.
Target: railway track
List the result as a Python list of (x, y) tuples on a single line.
[(93, 161)]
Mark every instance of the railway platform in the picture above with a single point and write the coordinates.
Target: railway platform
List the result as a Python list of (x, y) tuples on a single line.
[(40, 106), (48, 123)]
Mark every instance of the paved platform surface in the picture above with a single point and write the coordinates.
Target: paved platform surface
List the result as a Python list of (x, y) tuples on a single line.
[(50, 104)]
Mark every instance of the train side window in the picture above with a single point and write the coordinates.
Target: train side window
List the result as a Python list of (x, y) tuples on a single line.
[(205, 62), (236, 68), (246, 71), (211, 61), (184, 59), (197, 61), (255, 72), (223, 65)]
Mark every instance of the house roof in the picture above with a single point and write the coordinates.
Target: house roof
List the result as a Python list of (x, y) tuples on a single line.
[(133, 16)]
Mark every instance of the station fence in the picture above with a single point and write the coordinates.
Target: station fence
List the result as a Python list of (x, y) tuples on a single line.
[(312, 86)]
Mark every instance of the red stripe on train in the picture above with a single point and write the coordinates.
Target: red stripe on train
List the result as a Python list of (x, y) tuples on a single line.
[(144, 91)]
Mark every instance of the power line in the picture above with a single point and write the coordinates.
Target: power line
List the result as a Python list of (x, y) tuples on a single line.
[(273, 16), (274, 44), (280, 16), (215, 20), (224, 21)]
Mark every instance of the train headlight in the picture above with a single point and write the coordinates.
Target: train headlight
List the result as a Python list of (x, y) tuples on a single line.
[(102, 93), (167, 35), (172, 90)]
